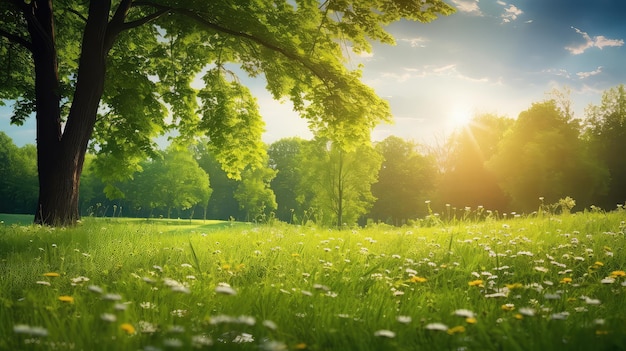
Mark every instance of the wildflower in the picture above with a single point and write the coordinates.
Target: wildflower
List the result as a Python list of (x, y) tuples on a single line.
[(108, 317), (566, 280), (385, 333), (608, 280), (270, 325), (173, 343), (416, 279), (51, 274), (602, 332), (300, 346), (477, 282), (199, 341), (526, 311), (295, 254), (128, 328), (272, 345), (560, 316), (590, 301), (437, 326), (243, 338), (41, 282), (618, 274), (471, 320), (65, 298), (224, 288), (456, 330), (508, 307), (121, 306), (147, 327), (95, 288), (186, 265), (33, 331), (541, 269), (111, 297), (514, 286), (518, 316), (404, 319), (78, 280), (464, 313)]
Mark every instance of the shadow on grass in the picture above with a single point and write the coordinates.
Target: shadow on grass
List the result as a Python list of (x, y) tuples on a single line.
[(17, 219)]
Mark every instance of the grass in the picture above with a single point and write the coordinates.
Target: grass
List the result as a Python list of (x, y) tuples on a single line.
[(551, 283)]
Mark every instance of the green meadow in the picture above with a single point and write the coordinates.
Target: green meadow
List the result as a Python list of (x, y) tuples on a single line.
[(529, 283)]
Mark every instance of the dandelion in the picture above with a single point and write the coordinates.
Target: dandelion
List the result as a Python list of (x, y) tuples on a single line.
[(508, 307), (300, 346), (471, 320), (477, 282), (416, 279), (518, 316), (514, 286), (385, 333), (128, 328), (51, 274), (436, 326), (618, 274), (65, 298), (456, 330), (566, 280)]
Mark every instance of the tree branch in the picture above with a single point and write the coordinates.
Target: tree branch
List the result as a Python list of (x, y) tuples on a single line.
[(198, 18), (16, 39), (80, 15)]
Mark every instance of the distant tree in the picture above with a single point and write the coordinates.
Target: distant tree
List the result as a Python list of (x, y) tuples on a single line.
[(254, 193), (222, 203), (605, 130), (111, 72), (466, 181), (543, 156), (285, 157), (405, 180), (340, 181), (174, 181), (18, 177)]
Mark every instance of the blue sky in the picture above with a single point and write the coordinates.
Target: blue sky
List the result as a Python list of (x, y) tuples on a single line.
[(491, 56)]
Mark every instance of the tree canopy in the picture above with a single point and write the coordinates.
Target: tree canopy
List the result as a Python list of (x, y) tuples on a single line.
[(117, 73)]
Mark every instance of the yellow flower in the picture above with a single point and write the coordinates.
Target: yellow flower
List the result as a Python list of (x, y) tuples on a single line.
[(508, 307), (300, 346), (566, 280), (240, 266), (471, 320), (477, 282), (226, 267), (514, 286), (597, 265), (295, 254), (51, 274), (618, 274), (128, 328), (456, 330), (518, 316), (602, 332), (66, 298), (416, 279)]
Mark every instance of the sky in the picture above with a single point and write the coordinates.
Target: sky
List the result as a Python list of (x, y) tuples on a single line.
[(491, 56)]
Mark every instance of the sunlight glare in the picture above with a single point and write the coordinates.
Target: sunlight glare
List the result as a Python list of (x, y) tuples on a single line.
[(459, 117)]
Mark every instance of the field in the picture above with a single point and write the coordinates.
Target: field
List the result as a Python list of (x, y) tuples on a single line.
[(536, 283)]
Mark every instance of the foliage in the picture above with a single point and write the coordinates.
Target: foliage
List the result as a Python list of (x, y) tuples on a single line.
[(543, 156), (339, 181), (114, 74), (605, 130), (466, 181), (538, 283), (405, 180), (285, 157), (254, 194), (18, 177)]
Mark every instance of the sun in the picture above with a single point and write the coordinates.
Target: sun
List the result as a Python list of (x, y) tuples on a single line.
[(459, 116)]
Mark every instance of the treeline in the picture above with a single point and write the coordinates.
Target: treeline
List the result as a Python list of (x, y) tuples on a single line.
[(544, 158)]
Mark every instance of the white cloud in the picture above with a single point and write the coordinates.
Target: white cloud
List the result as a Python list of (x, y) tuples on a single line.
[(468, 6), (597, 41), (510, 13), (583, 75), (449, 70), (415, 42)]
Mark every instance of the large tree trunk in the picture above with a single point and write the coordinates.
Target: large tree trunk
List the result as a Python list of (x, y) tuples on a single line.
[(61, 154)]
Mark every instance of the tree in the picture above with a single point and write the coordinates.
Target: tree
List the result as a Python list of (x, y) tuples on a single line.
[(254, 194), (466, 181), (173, 181), (405, 180), (115, 70), (605, 131), (340, 181), (285, 157), (543, 156), (18, 177)]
